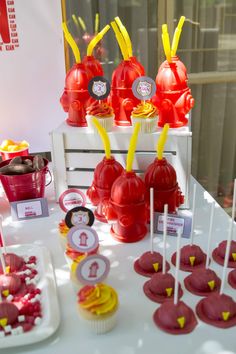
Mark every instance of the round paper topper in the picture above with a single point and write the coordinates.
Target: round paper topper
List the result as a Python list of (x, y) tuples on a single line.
[(144, 88), (82, 238), (92, 269), (79, 215), (71, 198), (99, 87)]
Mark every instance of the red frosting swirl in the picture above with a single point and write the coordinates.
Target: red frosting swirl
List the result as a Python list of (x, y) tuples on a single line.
[(100, 109)]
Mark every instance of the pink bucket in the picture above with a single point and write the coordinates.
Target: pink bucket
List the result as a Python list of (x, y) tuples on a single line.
[(26, 186)]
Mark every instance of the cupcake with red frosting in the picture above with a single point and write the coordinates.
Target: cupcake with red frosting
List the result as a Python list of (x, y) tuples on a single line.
[(146, 114), (104, 114)]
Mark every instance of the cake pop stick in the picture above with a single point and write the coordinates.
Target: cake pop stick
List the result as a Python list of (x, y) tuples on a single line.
[(175, 41), (2, 235), (166, 42), (96, 24), (132, 147), (3, 261), (226, 260), (103, 134), (179, 234), (120, 41), (210, 234), (96, 39), (125, 36), (72, 43), (164, 237), (193, 213), (151, 217)]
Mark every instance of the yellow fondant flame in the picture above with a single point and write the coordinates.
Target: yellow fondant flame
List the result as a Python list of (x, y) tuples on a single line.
[(8, 269), (211, 284), (192, 260), (169, 291), (181, 321), (5, 293), (234, 256), (155, 266), (3, 322), (225, 315)]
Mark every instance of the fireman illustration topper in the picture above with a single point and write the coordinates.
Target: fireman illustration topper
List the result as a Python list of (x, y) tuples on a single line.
[(79, 215), (99, 87), (71, 198), (144, 88), (93, 269), (83, 238)]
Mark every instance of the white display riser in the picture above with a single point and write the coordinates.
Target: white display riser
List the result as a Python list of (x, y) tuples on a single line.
[(76, 152)]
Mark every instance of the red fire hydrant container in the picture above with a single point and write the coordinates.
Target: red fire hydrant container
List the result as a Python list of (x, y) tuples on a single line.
[(173, 97), (137, 63), (76, 98), (121, 96), (93, 65), (161, 176), (105, 173), (127, 208), (26, 186)]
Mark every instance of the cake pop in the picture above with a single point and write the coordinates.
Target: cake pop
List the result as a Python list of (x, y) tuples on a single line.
[(173, 96), (161, 285), (219, 252), (105, 174), (174, 316), (232, 278), (204, 281), (219, 309), (192, 256), (121, 96), (161, 176), (126, 207)]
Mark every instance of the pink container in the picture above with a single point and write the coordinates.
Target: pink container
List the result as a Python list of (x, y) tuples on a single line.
[(26, 186), (6, 155)]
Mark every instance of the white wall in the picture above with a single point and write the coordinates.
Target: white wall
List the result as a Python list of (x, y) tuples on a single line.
[(32, 76)]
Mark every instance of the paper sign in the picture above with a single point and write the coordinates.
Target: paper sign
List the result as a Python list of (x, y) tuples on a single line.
[(79, 215), (174, 222), (8, 27), (71, 198), (29, 209), (144, 88), (99, 87), (93, 269), (82, 238)]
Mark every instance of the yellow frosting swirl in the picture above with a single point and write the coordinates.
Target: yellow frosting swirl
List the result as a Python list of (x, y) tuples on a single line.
[(144, 110), (99, 299)]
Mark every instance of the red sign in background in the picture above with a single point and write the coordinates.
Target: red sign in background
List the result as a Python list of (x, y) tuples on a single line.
[(8, 29)]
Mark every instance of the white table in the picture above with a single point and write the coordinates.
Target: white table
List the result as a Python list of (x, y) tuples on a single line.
[(135, 332)]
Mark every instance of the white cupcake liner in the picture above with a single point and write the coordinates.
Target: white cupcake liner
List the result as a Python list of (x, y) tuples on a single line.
[(148, 125), (101, 325), (106, 123)]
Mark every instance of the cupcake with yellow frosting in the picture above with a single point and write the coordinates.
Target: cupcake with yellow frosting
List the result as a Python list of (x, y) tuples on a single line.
[(104, 114), (145, 113), (97, 306), (63, 230)]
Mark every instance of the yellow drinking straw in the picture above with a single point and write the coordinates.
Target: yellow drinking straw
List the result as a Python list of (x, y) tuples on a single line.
[(175, 41), (120, 41), (72, 43), (166, 42), (125, 35), (161, 142), (82, 23), (96, 39), (96, 25), (74, 18), (132, 147), (103, 134)]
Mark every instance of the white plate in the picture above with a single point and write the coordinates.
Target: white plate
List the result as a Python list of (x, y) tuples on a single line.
[(49, 300)]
